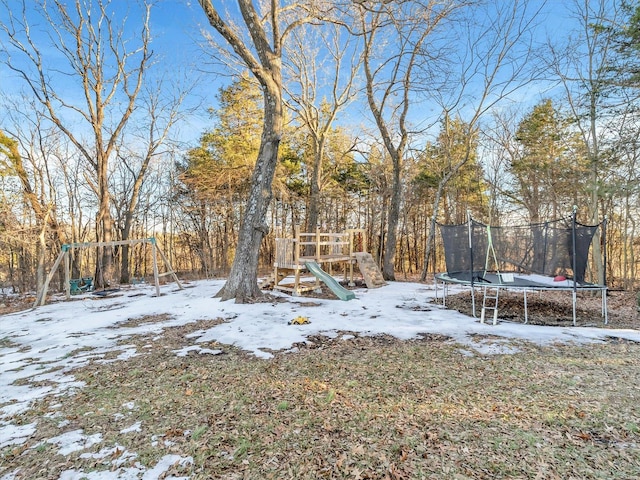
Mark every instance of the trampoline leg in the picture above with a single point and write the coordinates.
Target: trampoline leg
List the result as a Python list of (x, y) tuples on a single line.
[(444, 294), (604, 306), (573, 294), (526, 313), (473, 302)]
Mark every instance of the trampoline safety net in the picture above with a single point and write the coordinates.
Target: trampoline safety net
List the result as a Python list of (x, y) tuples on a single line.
[(473, 248)]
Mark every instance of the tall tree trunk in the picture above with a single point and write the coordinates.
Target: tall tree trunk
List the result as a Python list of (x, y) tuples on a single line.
[(104, 228), (388, 264), (314, 200), (125, 232), (242, 283), (41, 251), (429, 250), (595, 190), (267, 38)]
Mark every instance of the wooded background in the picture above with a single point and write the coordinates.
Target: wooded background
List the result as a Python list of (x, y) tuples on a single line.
[(394, 115)]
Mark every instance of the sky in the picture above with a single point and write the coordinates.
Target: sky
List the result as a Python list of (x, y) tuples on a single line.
[(41, 347), (177, 28)]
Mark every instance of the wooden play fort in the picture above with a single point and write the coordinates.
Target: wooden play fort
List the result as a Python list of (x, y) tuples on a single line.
[(319, 253)]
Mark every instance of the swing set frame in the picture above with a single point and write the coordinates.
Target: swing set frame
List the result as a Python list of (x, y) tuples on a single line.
[(65, 258)]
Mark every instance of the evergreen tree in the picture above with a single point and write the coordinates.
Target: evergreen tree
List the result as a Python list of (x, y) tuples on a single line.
[(225, 158), (626, 38), (451, 165), (216, 174), (549, 172)]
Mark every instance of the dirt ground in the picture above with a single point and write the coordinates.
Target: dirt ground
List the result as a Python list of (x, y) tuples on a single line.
[(13, 303), (554, 308)]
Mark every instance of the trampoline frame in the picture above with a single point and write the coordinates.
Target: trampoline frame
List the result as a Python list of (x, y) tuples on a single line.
[(445, 280)]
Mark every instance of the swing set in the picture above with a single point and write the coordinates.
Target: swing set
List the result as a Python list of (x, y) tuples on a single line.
[(84, 284)]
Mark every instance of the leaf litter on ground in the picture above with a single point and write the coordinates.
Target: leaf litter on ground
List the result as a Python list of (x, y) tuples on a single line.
[(339, 404)]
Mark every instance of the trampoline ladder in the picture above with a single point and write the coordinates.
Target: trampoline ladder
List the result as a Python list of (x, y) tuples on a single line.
[(493, 301)]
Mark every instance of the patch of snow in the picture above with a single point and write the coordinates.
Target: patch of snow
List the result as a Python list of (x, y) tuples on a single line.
[(136, 427), (183, 352), (10, 475), (74, 441), (15, 434), (119, 454), (165, 464)]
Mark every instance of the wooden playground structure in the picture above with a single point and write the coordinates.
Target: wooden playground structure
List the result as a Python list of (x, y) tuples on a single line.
[(309, 251), (74, 286)]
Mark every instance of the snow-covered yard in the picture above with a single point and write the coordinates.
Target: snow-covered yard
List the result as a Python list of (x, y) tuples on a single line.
[(40, 348)]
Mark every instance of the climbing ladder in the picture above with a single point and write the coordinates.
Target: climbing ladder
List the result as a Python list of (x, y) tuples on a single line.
[(490, 302)]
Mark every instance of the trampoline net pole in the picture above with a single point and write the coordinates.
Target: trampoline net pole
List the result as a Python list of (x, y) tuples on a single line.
[(470, 234)]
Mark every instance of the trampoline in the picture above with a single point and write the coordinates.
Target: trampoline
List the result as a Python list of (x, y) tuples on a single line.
[(526, 258)]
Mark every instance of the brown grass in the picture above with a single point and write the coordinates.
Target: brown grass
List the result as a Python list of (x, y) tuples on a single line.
[(355, 408)]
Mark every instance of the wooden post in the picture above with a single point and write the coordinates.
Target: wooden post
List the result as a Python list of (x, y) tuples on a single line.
[(296, 247), (67, 273), (155, 266), (167, 265), (351, 258), (318, 247), (317, 287), (40, 298)]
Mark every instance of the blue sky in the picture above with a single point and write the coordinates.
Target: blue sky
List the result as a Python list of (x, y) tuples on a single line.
[(177, 27)]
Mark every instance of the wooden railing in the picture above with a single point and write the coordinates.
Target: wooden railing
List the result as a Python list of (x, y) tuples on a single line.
[(321, 247)]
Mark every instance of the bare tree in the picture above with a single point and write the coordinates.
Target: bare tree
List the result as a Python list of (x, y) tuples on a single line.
[(93, 54), (582, 67), (625, 185), (29, 151), (162, 113), (322, 66), (258, 44), (394, 39), (33, 184), (498, 58)]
